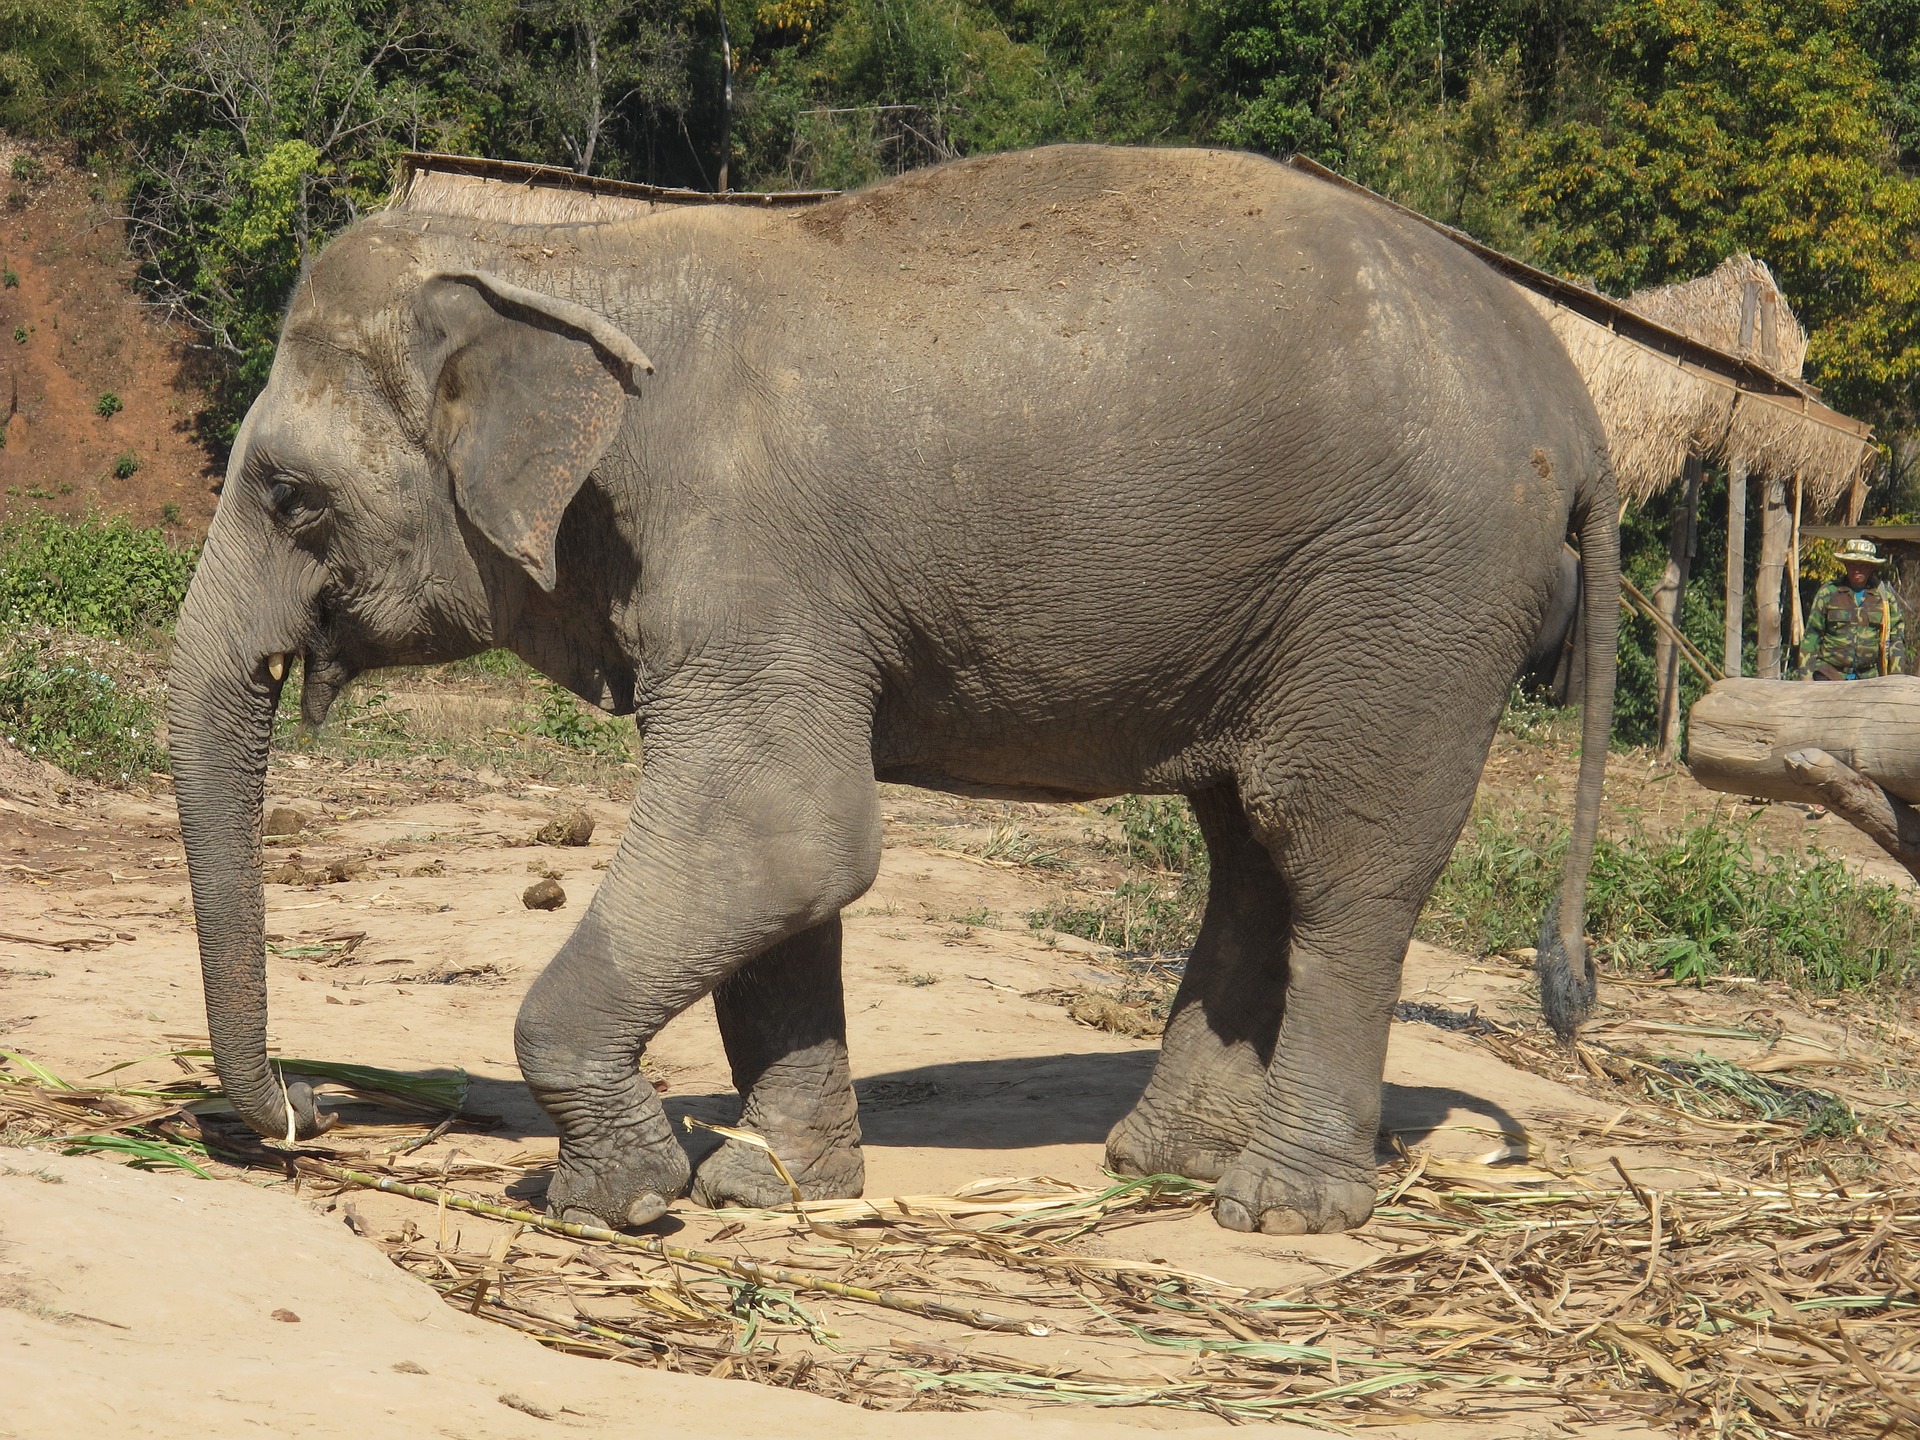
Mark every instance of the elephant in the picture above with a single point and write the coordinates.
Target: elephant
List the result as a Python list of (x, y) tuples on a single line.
[(1051, 475), (1553, 668)]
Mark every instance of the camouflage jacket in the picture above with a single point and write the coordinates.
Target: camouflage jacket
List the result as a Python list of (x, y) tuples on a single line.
[(1844, 630)]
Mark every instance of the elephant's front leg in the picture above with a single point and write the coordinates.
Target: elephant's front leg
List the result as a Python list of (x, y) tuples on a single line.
[(784, 1022), (755, 821)]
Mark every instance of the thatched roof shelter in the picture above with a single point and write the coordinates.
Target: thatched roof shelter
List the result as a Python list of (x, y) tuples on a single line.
[(1666, 368), (1670, 377)]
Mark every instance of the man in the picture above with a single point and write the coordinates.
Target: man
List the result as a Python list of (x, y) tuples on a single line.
[(1855, 630)]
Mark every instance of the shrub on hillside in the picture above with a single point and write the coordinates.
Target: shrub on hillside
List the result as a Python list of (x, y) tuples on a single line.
[(96, 575)]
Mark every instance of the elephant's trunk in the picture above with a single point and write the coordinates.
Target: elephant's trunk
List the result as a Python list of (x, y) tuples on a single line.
[(221, 698)]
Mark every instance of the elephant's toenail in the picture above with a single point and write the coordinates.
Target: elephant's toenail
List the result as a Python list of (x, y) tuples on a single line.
[(1232, 1215), (645, 1208), (579, 1215), (1282, 1221)]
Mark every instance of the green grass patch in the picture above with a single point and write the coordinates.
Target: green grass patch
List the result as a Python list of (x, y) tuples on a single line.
[(1156, 907), (1705, 901), (566, 721), (97, 575), (77, 711)]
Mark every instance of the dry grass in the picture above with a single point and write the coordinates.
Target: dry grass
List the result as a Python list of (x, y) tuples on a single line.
[(1731, 1308)]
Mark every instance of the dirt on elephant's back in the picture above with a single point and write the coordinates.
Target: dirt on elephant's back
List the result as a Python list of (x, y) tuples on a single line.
[(73, 332)]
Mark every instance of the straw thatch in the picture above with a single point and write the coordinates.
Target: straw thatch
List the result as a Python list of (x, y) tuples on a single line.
[(1712, 311), (1659, 407)]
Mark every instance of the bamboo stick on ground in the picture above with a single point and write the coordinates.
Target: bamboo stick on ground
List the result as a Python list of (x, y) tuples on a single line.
[(740, 1269)]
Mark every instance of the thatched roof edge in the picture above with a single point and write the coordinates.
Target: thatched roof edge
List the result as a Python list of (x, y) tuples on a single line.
[(416, 164), (1662, 394)]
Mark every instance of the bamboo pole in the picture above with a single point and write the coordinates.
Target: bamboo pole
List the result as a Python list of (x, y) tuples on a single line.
[(741, 1268)]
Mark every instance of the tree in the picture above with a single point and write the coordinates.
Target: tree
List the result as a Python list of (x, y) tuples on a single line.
[(51, 54), (1757, 125)]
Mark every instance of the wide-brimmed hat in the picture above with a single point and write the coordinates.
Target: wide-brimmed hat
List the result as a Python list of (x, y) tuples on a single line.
[(1860, 552)]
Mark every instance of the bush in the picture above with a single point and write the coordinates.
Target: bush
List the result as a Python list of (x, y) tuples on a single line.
[(126, 465), (108, 405), (71, 711), (99, 576), (566, 720), (1701, 902), (9, 277)]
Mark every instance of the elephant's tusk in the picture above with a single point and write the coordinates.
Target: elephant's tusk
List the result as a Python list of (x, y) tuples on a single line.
[(277, 665)]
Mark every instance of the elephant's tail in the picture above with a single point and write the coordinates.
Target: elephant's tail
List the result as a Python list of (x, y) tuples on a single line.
[(1569, 983)]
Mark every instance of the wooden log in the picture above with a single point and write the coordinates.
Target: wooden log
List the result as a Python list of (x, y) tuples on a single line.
[(1741, 733), (1891, 824)]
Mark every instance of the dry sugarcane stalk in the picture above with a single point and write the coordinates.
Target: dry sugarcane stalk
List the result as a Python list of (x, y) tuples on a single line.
[(740, 1269)]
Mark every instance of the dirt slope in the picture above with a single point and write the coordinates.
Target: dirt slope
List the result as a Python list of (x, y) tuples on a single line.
[(71, 330)]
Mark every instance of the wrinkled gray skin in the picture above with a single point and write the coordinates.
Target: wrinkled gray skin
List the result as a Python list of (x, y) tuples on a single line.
[(1553, 663), (1049, 476)]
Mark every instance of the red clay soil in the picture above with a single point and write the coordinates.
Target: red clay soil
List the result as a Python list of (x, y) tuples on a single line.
[(72, 329)]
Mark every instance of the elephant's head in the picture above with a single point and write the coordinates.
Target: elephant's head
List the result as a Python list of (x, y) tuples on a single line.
[(425, 428)]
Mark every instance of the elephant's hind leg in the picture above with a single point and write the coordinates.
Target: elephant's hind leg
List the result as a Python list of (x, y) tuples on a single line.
[(1357, 868), (784, 1022), (1199, 1106)]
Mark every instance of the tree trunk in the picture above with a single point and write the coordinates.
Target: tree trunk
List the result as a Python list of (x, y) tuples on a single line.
[(1671, 598), (1742, 732), (1736, 563), (1776, 526)]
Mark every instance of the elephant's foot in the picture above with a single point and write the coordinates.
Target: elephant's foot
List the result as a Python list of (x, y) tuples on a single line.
[(1156, 1141), (1256, 1195), (741, 1174), (617, 1174), (815, 1130)]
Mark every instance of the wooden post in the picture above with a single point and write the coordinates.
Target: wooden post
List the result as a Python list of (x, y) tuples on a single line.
[(1670, 599), (1737, 505), (1736, 563), (726, 101), (1776, 529)]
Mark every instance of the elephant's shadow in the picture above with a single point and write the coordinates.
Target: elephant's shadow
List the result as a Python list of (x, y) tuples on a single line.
[(1026, 1102)]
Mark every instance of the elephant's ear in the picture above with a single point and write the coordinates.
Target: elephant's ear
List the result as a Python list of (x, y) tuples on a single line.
[(526, 392)]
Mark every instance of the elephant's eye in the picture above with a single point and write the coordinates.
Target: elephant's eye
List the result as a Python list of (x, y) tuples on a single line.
[(282, 494)]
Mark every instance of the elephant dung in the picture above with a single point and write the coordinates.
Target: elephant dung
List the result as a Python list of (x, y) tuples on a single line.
[(573, 828), (544, 895), (283, 820)]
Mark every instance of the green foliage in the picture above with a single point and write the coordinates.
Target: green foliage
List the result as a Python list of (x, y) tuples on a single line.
[(108, 405), (69, 710), (28, 169), (1706, 901), (169, 514), (98, 576), (54, 56), (565, 720), (126, 465), (19, 334), (1156, 907), (9, 277)]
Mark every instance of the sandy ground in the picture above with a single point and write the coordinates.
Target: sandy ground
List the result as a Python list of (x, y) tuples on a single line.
[(135, 1304)]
